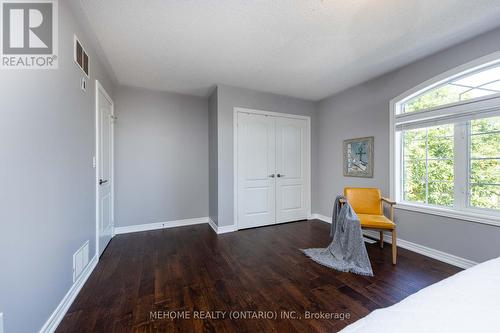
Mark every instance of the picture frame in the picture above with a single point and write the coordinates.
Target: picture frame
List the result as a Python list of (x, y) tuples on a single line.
[(358, 157)]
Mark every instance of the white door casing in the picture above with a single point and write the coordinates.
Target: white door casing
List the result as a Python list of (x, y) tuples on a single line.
[(256, 179), (104, 169), (279, 144)]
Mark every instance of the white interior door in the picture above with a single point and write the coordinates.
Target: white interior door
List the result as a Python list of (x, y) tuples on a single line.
[(104, 168), (292, 174), (256, 169)]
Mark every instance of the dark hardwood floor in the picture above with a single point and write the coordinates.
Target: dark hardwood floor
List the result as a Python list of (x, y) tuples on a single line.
[(186, 270)]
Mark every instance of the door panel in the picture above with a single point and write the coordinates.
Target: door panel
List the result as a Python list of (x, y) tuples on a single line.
[(292, 196), (105, 213), (105, 193), (256, 164), (291, 166)]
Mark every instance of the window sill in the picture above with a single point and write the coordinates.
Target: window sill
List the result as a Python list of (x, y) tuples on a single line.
[(460, 215)]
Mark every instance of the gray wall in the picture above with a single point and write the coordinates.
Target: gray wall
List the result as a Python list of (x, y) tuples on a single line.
[(212, 156), (47, 194), (230, 97), (364, 111), (161, 157)]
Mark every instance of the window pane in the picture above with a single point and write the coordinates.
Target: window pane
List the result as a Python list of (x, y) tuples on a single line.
[(474, 85), (440, 142), (416, 134), (440, 131), (441, 170), (485, 171), (440, 148), (415, 149), (485, 145), (435, 97), (414, 191), (415, 170), (414, 179), (474, 93), (428, 159), (485, 125), (493, 86), (481, 78), (441, 193), (485, 196)]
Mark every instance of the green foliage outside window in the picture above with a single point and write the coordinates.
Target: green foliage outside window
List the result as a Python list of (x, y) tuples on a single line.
[(428, 172), (428, 165), (485, 163), (428, 153), (435, 97)]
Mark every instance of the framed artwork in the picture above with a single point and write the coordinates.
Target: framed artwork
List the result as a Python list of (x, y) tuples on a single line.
[(358, 157)]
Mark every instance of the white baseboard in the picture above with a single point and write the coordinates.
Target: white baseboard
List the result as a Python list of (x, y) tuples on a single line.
[(226, 229), (222, 230), (178, 223), (59, 313), (160, 225), (424, 250), (321, 218)]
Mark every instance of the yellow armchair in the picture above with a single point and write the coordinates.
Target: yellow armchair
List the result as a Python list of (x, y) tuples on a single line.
[(367, 203)]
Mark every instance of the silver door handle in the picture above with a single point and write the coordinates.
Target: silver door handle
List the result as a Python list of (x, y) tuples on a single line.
[(280, 175), (272, 175), (102, 181)]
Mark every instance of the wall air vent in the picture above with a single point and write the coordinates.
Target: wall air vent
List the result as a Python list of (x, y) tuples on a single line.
[(81, 57), (80, 260)]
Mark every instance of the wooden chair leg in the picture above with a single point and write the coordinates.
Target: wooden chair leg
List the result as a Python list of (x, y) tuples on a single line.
[(381, 239), (394, 247)]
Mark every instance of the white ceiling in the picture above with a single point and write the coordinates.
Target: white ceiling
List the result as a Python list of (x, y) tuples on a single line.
[(303, 48)]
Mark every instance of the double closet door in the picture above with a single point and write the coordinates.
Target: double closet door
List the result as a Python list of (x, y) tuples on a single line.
[(272, 169)]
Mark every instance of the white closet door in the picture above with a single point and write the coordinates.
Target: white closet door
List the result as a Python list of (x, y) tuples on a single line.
[(256, 169), (291, 169), (105, 166)]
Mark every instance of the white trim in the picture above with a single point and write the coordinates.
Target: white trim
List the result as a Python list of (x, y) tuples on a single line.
[(160, 225), (424, 250), (395, 147), (320, 217), (100, 88), (461, 158), (270, 113), (459, 112), (59, 313), (226, 229), (235, 154), (235, 166), (392, 157), (222, 230), (467, 216)]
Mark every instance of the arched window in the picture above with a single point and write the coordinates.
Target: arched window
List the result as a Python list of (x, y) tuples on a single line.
[(446, 144)]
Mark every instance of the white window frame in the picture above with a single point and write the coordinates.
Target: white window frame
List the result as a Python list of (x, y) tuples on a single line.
[(459, 211)]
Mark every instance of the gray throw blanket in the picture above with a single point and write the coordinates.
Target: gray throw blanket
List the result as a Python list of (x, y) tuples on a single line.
[(347, 251)]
